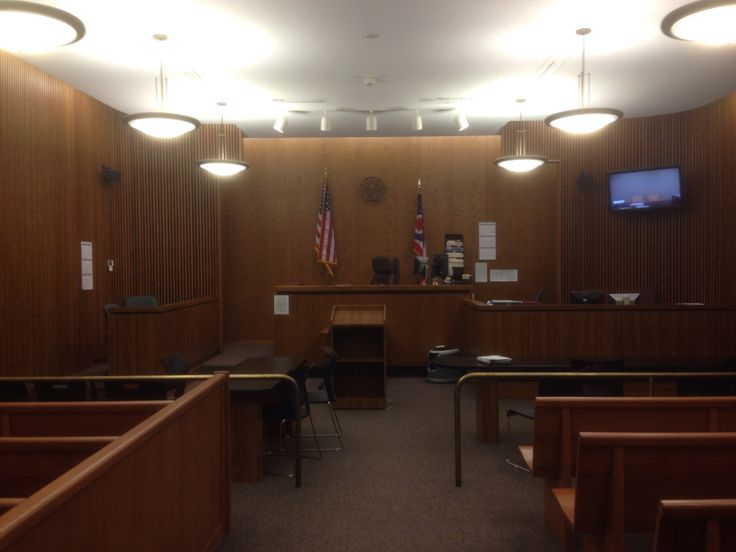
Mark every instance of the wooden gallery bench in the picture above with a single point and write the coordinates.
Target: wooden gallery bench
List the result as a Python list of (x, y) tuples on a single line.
[(621, 477), (559, 420), (701, 525), (117, 476)]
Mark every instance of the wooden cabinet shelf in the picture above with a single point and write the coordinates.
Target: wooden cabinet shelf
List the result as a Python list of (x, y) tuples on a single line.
[(357, 335)]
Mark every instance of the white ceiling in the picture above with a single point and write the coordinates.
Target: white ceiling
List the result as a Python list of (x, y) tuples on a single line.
[(307, 56)]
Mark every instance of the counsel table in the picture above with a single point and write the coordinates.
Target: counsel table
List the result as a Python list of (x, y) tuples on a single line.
[(486, 410), (246, 400)]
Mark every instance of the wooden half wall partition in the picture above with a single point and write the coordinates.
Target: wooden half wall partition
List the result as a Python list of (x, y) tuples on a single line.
[(629, 331), (139, 337), (163, 485), (418, 318)]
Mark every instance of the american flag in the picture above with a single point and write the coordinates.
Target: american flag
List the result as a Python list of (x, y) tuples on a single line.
[(324, 239), (418, 247)]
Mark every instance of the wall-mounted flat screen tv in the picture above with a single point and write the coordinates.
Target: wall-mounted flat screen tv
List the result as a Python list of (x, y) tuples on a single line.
[(646, 189)]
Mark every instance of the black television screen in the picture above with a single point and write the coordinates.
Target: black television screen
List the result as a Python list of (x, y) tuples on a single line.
[(644, 189)]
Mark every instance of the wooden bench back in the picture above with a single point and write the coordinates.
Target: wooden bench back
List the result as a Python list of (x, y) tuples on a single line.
[(703, 525), (73, 418), (29, 463), (558, 421), (621, 477)]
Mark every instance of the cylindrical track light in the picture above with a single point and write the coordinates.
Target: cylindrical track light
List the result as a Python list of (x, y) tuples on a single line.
[(371, 122), (280, 124), (416, 122), (461, 121), (325, 125)]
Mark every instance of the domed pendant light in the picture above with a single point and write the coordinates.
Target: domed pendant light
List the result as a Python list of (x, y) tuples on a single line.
[(583, 120), (160, 124), (520, 162), (711, 22), (222, 166), (31, 27)]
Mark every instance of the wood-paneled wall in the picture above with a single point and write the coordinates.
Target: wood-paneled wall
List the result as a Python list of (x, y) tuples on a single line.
[(269, 222), (159, 224), (686, 255)]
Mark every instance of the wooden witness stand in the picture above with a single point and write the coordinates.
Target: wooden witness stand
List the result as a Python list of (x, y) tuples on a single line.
[(358, 337)]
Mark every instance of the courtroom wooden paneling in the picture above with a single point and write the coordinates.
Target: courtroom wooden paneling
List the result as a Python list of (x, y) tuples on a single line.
[(526, 209), (631, 331), (269, 224), (685, 254), (139, 337), (160, 224), (417, 318)]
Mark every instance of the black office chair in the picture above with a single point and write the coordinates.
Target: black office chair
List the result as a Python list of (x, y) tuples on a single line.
[(13, 391), (326, 395), (385, 270), (283, 411), (604, 387), (141, 301), (548, 387), (175, 365)]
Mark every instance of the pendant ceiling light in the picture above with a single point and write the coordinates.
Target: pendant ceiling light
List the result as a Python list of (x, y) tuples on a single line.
[(160, 124), (520, 161), (222, 166), (585, 119), (30, 27), (711, 22)]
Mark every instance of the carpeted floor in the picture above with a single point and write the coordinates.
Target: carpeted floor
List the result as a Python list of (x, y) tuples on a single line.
[(392, 487)]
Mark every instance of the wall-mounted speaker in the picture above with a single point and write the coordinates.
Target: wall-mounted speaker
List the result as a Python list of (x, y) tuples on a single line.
[(584, 179), (109, 176)]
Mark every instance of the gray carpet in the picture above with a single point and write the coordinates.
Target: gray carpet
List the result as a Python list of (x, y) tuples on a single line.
[(392, 487)]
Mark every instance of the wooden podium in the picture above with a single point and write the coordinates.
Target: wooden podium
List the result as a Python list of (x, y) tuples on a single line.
[(357, 336)]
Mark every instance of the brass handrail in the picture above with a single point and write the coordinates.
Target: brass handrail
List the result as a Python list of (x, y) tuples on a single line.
[(259, 377), (561, 375)]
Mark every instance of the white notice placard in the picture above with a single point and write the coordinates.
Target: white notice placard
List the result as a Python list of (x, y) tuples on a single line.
[(281, 305), (86, 265), (487, 241), (481, 272), (505, 275)]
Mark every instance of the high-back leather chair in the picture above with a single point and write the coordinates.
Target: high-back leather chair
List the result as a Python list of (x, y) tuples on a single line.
[(385, 270)]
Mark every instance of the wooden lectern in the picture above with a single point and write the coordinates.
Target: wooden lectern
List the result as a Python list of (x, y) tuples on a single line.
[(357, 336)]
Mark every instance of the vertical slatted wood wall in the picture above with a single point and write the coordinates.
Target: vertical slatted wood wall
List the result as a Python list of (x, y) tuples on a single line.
[(159, 224), (686, 255), (269, 223)]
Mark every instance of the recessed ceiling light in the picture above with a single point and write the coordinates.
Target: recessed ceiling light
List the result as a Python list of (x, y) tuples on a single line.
[(371, 35)]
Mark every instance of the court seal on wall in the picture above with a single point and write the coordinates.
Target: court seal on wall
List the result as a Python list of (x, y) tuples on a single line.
[(372, 189)]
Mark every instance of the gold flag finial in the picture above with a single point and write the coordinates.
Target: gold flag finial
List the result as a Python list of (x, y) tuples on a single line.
[(419, 183), (326, 172)]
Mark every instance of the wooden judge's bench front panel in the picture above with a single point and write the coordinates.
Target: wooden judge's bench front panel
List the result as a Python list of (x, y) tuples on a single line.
[(629, 331), (417, 318)]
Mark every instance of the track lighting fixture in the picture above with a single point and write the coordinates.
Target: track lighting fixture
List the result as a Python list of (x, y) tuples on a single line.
[(280, 124), (416, 122), (371, 122), (325, 124), (461, 121)]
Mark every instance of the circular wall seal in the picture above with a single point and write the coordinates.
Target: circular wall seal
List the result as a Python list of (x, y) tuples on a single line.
[(372, 189)]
